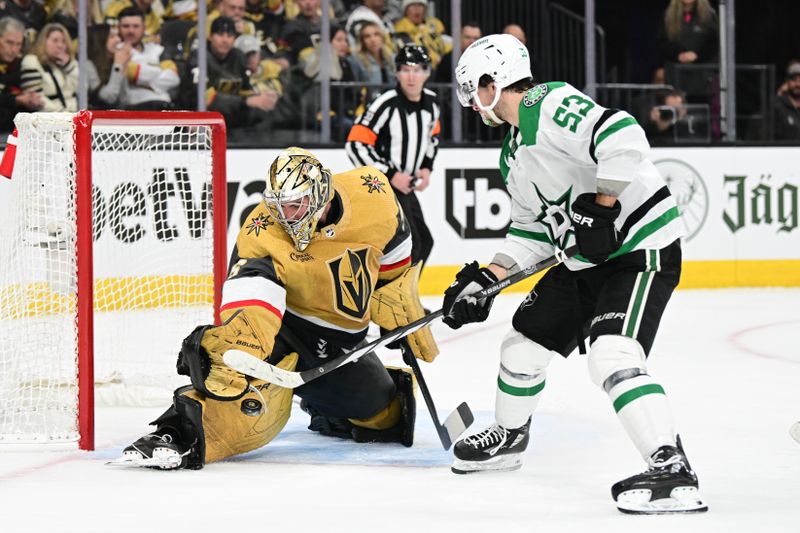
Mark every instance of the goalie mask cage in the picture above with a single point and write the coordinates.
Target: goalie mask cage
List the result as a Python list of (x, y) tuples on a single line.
[(112, 250)]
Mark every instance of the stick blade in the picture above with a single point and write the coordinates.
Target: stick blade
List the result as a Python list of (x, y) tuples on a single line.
[(456, 423), (253, 366)]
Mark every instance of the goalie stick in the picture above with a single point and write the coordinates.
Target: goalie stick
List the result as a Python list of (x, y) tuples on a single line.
[(253, 366), (456, 423)]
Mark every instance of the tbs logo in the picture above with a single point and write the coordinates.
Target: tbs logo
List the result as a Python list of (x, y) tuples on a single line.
[(478, 206)]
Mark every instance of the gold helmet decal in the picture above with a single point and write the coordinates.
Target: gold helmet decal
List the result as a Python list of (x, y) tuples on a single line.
[(297, 190)]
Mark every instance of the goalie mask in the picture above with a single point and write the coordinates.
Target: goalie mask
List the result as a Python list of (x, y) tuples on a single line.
[(503, 58), (297, 191)]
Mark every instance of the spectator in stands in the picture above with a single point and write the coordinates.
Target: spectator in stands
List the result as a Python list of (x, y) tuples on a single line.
[(264, 74), (234, 10), (690, 35), (13, 98), (417, 27), (144, 81), (669, 108), (470, 32), (690, 32), (267, 24), (152, 11), (372, 61), (51, 70), (29, 12), (229, 89), (372, 11), (517, 31), (107, 56), (787, 106), (65, 12), (296, 38)]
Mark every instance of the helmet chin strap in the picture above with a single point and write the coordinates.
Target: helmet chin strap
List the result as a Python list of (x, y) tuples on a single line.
[(490, 118)]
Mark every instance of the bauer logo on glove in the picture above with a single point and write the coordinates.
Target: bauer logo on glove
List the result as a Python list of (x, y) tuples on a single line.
[(459, 307)]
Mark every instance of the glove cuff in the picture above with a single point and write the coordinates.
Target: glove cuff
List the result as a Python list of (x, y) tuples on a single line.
[(586, 204)]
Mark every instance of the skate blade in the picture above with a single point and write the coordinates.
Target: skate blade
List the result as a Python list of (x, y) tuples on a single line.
[(503, 463), (681, 500), (794, 431)]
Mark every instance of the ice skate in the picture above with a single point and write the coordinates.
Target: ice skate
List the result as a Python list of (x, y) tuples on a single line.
[(494, 449), (153, 451), (668, 486)]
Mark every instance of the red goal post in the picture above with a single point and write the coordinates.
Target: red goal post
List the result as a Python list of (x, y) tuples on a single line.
[(117, 218)]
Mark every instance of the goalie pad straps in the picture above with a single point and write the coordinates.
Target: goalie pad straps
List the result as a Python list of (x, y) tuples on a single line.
[(222, 429), (397, 304)]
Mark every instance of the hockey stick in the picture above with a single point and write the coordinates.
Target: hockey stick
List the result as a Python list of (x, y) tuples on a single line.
[(456, 423), (253, 366)]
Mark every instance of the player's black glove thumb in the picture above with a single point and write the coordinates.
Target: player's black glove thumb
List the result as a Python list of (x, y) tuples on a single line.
[(459, 307), (594, 227)]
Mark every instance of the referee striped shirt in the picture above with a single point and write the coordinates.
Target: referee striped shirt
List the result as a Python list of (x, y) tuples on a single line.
[(395, 134)]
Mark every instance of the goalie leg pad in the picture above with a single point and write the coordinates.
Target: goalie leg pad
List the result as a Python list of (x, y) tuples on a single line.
[(617, 364), (521, 380), (212, 430), (397, 304), (235, 427), (396, 422)]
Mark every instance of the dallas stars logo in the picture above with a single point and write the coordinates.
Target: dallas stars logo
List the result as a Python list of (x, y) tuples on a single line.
[(261, 222), (534, 95), (373, 183), (554, 215)]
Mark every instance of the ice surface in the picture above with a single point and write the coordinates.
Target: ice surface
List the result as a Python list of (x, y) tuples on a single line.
[(728, 359)]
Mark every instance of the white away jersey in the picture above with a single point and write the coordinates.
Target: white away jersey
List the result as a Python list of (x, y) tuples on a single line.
[(567, 145)]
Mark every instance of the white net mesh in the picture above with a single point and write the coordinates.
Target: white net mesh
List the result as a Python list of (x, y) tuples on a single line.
[(153, 269)]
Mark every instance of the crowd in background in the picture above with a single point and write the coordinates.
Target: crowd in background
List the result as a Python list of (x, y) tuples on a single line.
[(264, 59), (263, 56)]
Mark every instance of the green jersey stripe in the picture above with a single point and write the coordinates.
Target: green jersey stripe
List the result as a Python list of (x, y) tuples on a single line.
[(519, 391), (638, 392), (615, 127), (644, 232), (634, 315)]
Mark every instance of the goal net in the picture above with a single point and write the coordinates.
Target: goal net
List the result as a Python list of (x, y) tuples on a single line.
[(112, 249)]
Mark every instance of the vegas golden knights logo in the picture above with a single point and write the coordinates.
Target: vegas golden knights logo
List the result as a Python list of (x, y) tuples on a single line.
[(352, 283)]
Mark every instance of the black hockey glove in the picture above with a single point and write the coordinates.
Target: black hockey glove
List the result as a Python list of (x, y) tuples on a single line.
[(594, 227), (459, 307)]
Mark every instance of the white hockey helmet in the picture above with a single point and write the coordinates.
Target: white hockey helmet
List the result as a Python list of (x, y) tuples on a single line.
[(501, 56)]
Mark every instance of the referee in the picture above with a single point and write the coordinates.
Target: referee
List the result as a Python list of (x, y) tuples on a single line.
[(399, 134)]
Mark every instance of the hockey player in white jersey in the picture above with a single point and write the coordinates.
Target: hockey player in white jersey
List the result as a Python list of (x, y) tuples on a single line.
[(577, 173)]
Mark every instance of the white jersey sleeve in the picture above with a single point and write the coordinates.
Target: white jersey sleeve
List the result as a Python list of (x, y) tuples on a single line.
[(566, 145)]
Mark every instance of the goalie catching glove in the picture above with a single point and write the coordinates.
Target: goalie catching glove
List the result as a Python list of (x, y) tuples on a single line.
[(201, 353), (459, 307), (397, 304)]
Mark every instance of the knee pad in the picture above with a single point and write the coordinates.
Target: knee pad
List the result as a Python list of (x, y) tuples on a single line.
[(520, 356), (614, 358)]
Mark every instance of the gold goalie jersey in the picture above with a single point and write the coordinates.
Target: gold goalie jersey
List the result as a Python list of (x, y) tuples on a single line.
[(327, 287)]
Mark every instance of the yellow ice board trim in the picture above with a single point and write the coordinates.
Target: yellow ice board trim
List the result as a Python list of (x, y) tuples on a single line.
[(696, 275), (110, 294)]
